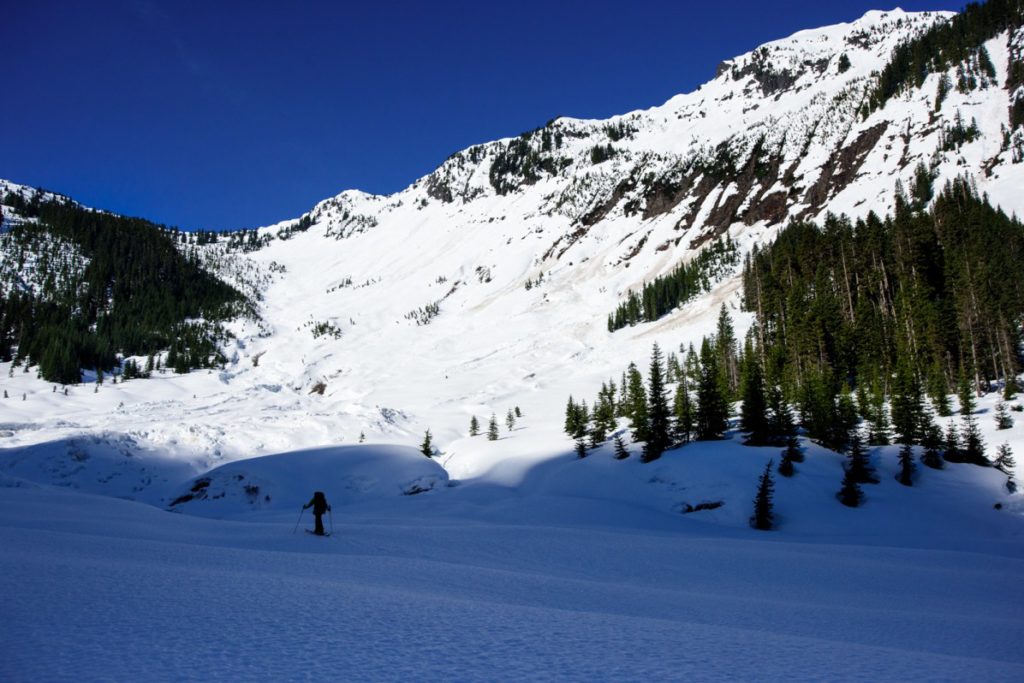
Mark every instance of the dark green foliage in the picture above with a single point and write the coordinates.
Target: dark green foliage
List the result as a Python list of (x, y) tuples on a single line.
[(1003, 419), (601, 153), (686, 281), (576, 419), (1010, 389), (581, 449), (937, 289), (658, 436), (712, 409), (754, 412), (793, 451), (519, 413), (684, 413), (951, 444), (907, 405), (636, 404), (958, 134), (620, 448), (492, 429), (907, 467), (474, 426), (850, 493), (764, 516), (858, 467), (1004, 460), (522, 162), (427, 446), (943, 45), (973, 450), (844, 63), (510, 420), (132, 298), (932, 442), (965, 393)]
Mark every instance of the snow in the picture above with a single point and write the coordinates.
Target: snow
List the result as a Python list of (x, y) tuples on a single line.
[(513, 559)]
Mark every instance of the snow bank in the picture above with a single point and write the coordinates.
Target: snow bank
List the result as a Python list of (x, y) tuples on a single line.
[(285, 481)]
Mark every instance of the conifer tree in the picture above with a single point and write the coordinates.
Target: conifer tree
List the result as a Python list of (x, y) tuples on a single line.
[(427, 447), (620, 448), (636, 409), (510, 420), (859, 465), (1005, 462), (474, 426), (907, 409), (1010, 389), (786, 467), (793, 451), (519, 413), (966, 394), (1003, 419), (658, 437), (907, 467), (931, 440), (581, 449), (492, 428), (952, 445), (712, 410), (764, 517), (850, 494), (727, 357), (753, 413), (683, 410), (973, 450)]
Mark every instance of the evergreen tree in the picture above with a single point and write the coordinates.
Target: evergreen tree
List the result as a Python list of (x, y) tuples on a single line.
[(952, 445), (1005, 462), (1003, 419), (753, 413), (859, 466), (1010, 389), (510, 420), (658, 437), (973, 445), (786, 467), (362, 437), (763, 517), (620, 448), (907, 407), (727, 357), (519, 413), (907, 467), (474, 426), (636, 408), (931, 440), (427, 447), (712, 411), (793, 451), (682, 407), (581, 449), (492, 428), (965, 392), (850, 494)]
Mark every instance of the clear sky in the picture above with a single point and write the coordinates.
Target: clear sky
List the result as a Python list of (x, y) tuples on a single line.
[(224, 115)]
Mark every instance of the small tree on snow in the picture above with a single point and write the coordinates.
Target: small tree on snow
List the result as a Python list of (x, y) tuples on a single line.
[(1003, 419), (581, 449), (850, 494), (764, 517), (620, 449), (1004, 460), (510, 420), (427, 447), (519, 413), (907, 467), (474, 426), (492, 429)]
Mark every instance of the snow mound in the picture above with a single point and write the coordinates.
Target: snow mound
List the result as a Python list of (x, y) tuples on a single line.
[(286, 481)]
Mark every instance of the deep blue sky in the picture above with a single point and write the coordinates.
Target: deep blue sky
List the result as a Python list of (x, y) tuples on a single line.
[(221, 115)]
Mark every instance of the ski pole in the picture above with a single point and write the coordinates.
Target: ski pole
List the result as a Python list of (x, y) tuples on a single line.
[(298, 520)]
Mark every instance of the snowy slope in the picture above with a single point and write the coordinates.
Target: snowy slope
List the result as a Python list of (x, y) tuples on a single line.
[(513, 559)]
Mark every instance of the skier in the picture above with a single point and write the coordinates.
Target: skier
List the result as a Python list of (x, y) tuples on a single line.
[(320, 506)]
